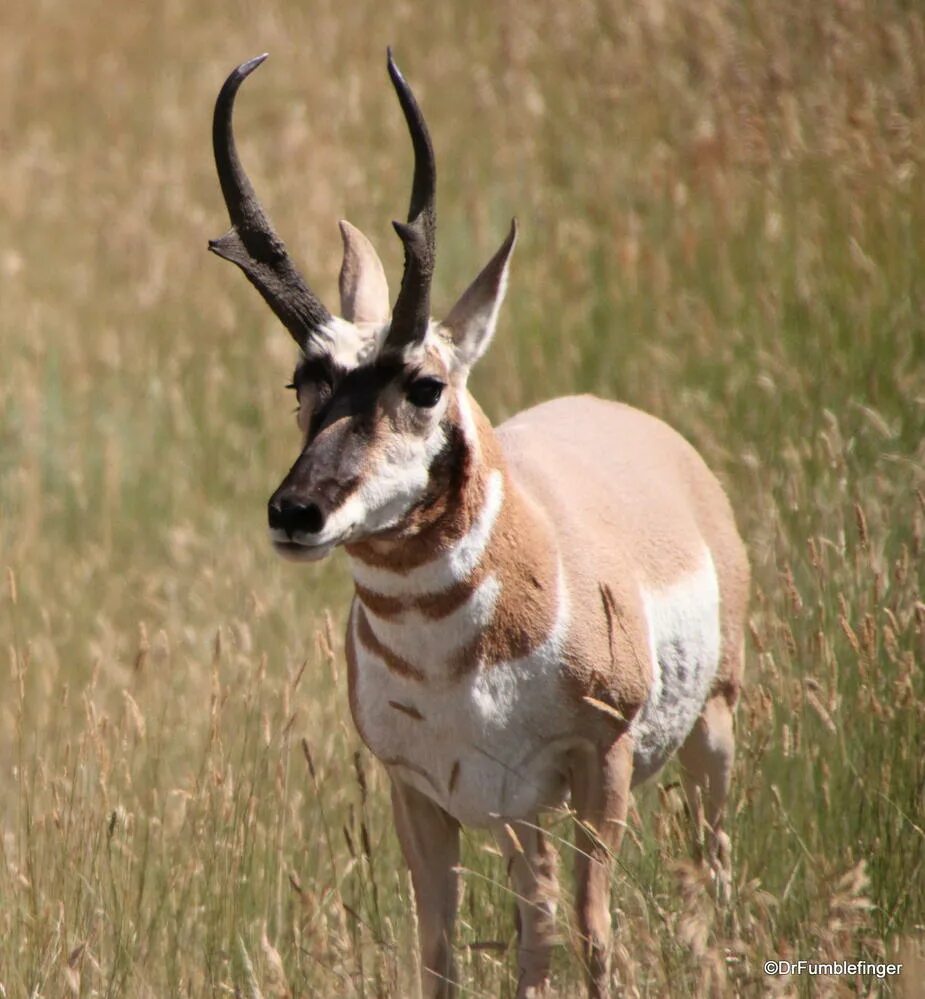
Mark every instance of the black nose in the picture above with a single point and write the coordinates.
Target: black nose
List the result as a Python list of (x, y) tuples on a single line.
[(291, 516)]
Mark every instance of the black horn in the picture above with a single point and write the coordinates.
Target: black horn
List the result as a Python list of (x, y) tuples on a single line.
[(411, 314), (252, 243)]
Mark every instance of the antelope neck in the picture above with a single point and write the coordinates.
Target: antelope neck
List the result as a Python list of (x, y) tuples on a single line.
[(482, 577)]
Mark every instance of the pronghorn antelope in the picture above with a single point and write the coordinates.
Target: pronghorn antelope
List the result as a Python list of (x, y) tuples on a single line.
[(544, 610)]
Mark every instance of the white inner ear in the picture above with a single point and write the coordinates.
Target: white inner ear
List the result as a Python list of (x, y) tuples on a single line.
[(364, 289), (472, 320)]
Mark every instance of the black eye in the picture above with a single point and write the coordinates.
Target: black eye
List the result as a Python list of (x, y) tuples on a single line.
[(425, 392)]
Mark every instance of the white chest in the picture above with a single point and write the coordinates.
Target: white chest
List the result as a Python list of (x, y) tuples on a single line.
[(485, 745), (491, 743)]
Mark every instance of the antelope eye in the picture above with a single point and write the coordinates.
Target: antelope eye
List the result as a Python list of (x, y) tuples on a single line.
[(425, 392)]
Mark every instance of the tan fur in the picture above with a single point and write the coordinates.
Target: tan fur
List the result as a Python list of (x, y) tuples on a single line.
[(430, 842), (454, 776), (625, 504), (531, 863), (662, 520), (540, 609), (601, 782), (521, 557), (706, 761), (408, 709), (621, 468)]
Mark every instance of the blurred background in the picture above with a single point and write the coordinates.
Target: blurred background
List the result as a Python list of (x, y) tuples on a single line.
[(722, 216)]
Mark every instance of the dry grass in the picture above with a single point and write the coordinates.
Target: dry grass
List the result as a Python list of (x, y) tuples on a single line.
[(723, 212)]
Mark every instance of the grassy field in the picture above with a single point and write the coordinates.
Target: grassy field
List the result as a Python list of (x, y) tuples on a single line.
[(722, 207)]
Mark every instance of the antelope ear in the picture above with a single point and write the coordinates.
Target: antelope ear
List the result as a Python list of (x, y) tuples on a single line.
[(364, 290), (471, 322)]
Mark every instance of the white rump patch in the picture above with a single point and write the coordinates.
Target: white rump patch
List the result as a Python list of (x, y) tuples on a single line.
[(445, 570), (684, 641)]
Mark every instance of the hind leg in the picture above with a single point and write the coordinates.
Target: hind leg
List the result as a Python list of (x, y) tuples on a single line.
[(706, 769)]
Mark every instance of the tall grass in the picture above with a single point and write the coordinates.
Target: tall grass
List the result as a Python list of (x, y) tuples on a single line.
[(723, 221)]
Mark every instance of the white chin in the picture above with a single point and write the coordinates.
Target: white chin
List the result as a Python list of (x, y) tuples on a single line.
[(294, 552)]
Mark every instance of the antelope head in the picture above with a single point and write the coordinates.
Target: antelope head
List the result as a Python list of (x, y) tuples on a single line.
[(382, 400)]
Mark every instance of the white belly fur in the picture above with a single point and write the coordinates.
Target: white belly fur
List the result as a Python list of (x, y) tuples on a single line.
[(684, 640), (504, 729)]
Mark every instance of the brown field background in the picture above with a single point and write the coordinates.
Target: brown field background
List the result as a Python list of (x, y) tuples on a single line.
[(722, 210)]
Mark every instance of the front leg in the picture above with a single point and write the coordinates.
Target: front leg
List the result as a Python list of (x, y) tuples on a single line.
[(531, 864), (601, 780), (429, 839)]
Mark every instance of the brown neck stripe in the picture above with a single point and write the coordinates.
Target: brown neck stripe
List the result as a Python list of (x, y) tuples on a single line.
[(369, 641)]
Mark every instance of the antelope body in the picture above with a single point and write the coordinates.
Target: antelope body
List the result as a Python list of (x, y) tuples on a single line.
[(543, 612)]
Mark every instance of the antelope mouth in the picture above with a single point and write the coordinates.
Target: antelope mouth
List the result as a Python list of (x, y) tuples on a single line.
[(297, 551), (302, 547)]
